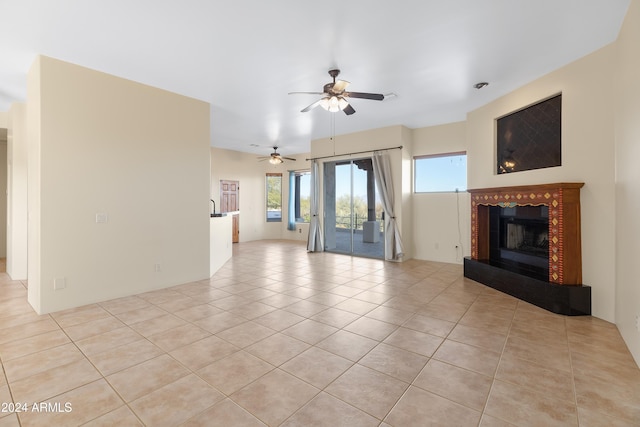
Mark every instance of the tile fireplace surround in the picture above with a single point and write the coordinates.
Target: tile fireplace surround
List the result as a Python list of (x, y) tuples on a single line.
[(563, 292)]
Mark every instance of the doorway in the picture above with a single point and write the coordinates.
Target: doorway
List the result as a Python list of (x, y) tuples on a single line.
[(230, 203), (353, 220)]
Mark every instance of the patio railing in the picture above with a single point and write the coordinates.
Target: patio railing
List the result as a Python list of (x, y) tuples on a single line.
[(344, 222)]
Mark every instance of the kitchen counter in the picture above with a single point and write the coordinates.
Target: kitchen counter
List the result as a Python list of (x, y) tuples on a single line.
[(220, 246)]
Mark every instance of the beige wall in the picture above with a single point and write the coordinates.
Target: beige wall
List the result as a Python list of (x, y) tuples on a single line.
[(104, 145), (4, 125), (441, 221), (627, 179), (17, 193), (34, 132), (251, 175), (587, 156), (406, 184)]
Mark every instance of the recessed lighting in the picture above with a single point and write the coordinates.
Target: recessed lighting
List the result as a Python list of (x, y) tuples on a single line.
[(480, 85)]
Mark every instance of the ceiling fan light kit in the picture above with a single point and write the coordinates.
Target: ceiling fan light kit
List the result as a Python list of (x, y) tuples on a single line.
[(334, 104), (335, 96)]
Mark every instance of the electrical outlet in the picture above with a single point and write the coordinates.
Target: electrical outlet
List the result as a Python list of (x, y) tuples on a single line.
[(157, 268), (638, 322)]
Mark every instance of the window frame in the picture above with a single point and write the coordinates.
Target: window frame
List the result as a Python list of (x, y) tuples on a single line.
[(434, 156), (298, 218), (267, 192)]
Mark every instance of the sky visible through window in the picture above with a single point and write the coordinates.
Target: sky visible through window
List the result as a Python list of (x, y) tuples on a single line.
[(305, 185), (441, 174), (432, 174)]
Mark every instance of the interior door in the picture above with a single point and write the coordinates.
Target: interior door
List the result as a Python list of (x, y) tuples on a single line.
[(229, 196), (230, 202)]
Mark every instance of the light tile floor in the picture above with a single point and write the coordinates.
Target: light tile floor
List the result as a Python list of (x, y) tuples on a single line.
[(282, 337)]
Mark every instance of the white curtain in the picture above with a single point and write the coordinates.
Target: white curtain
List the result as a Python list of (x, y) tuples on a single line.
[(314, 241), (291, 217), (393, 249)]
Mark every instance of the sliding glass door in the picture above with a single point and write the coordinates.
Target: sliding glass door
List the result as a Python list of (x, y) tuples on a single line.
[(353, 217)]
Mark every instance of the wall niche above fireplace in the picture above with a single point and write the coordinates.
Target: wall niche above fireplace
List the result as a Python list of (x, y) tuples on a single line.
[(525, 241)]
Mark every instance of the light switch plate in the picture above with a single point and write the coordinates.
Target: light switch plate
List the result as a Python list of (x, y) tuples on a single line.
[(102, 218), (59, 283)]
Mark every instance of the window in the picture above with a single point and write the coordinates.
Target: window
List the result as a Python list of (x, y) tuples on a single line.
[(300, 195), (274, 197), (440, 173)]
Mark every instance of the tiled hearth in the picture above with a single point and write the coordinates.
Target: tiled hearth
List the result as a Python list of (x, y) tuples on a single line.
[(564, 291)]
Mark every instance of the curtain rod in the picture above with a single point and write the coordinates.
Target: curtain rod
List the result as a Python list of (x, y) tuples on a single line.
[(357, 152)]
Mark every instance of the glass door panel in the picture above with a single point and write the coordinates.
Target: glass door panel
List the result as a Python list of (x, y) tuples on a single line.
[(352, 220)]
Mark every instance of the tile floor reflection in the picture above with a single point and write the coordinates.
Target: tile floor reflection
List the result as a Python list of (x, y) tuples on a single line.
[(282, 337)]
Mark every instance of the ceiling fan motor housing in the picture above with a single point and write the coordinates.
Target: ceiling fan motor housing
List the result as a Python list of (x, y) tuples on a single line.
[(335, 96)]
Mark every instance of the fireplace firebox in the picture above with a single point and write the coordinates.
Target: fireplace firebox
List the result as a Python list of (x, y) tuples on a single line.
[(519, 239), (525, 241)]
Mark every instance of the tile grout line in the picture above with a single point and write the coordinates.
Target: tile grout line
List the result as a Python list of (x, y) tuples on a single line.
[(99, 372), (247, 278), (430, 358), (493, 381), (573, 375)]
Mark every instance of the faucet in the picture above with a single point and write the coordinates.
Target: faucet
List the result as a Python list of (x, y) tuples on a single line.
[(214, 206)]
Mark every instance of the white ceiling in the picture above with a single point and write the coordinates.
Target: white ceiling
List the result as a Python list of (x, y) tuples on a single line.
[(244, 56)]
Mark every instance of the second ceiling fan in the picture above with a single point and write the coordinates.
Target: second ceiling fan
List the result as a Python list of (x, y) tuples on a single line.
[(275, 158), (335, 96)]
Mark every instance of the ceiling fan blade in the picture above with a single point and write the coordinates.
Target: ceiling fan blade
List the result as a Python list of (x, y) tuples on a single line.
[(340, 85), (312, 106), (306, 93), (288, 158), (349, 110), (363, 95)]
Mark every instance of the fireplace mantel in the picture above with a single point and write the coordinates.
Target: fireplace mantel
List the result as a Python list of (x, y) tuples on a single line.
[(563, 200), (563, 292)]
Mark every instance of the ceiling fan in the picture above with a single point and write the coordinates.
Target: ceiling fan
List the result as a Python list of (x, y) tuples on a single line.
[(275, 158), (335, 96)]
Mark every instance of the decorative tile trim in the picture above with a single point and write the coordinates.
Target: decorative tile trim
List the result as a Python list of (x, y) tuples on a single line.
[(506, 198)]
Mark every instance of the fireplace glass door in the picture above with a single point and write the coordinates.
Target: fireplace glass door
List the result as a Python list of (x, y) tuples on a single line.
[(519, 239)]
